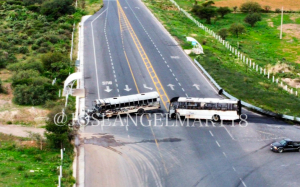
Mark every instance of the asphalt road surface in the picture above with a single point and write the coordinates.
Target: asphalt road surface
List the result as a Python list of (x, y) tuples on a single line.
[(127, 51)]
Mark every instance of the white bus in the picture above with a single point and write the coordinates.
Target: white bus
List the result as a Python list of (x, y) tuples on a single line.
[(125, 104), (205, 108)]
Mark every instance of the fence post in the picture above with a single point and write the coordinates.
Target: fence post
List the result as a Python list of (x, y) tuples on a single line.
[(264, 71), (256, 67), (273, 79), (268, 74)]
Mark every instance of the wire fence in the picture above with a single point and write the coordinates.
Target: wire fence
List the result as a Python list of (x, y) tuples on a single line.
[(260, 70)]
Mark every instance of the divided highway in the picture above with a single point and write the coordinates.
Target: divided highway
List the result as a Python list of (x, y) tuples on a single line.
[(127, 51)]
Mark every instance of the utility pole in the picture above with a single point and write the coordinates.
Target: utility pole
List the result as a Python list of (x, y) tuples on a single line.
[(281, 23)]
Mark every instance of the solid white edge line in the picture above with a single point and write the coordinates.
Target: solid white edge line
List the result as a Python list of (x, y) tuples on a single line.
[(211, 133), (243, 182), (95, 60)]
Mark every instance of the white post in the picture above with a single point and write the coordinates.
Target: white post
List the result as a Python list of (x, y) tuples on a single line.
[(264, 71), (281, 23), (286, 87), (61, 154), (296, 93), (277, 81), (281, 83), (244, 58), (253, 65), (291, 90), (256, 67), (60, 171), (59, 181), (273, 79), (247, 61), (260, 70), (268, 75)]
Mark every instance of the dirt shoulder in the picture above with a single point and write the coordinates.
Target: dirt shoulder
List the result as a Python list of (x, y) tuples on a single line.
[(17, 130)]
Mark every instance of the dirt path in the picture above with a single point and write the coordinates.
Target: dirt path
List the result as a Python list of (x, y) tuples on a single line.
[(17, 130)]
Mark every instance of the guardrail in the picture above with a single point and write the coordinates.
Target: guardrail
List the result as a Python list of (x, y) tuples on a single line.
[(260, 110)]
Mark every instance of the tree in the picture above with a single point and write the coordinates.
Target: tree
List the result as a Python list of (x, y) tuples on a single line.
[(56, 8), (236, 29), (208, 3), (223, 33), (235, 8), (204, 12), (252, 18), (250, 7), (267, 8), (223, 11), (58, 134)]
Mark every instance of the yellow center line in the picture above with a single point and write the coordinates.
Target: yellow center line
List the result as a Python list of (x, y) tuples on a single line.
[(160, 89), (120, 23)]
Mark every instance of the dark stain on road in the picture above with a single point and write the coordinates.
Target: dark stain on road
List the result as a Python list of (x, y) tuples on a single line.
[(107, 140)]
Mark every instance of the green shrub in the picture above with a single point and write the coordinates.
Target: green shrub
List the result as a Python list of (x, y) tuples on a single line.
[(34, 47), (33, 94), (252, 18), (20, 168), (43, 50), (40, 40), (38, 157), (24, 77), (34, 8), (56, 8), (34, 65), (250, 7), (23, 50)]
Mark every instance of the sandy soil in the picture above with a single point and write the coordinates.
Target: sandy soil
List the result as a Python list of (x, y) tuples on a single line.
[(287, 4)]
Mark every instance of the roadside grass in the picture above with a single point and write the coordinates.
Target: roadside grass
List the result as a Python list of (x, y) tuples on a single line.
[(17, 161), (91, 6), (231, 74), (261, 43)]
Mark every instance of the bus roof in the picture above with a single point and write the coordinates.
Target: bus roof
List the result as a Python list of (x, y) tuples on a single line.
[(128, 98), (205, 100)]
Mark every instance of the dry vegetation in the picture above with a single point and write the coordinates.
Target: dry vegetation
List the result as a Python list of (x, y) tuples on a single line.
[(11, 113), (287, 4)]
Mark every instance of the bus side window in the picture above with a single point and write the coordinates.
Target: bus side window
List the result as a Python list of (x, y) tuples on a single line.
[(136, 103), (219, 106), (224, 106)]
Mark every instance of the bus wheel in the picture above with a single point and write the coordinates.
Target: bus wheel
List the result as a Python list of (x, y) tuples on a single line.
[(216, 118), (173, 116), (141, 111)]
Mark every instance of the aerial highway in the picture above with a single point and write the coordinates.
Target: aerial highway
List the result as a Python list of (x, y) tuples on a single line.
[(127, 51)]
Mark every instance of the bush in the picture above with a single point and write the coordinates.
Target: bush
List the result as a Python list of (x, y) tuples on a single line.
[(58, 135), (250, 7), (20, 168), (34, 47), (223, 11), (57, 8), (35, 65), (236, 29), (223, 33), (43, 50), (252, 18), (33, 94), (23, 50), (33, 8), (24, 77), (277, 10)]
